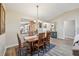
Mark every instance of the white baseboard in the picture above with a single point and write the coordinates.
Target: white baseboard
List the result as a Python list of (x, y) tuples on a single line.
[(8, 47), (4, 52), (61, 38), (11, 46), (69, 37)]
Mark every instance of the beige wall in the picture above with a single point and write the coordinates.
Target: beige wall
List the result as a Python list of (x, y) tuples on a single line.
[(12, 25), (60, 29)]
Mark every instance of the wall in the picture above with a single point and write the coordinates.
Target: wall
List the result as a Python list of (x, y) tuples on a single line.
[(69, 28), (77, 25), (2, 44), (60, 29), (12, 26), (76, 29)]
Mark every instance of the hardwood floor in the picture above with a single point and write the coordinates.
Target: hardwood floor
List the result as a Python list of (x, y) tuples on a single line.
[(62, 48)]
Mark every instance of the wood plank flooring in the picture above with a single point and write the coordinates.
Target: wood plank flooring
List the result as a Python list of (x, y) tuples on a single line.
[(62, 48)]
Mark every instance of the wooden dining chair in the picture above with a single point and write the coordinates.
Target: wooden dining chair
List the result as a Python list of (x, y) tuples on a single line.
[(19, 45), (22, 47), (39, 43), (47, 39), (44, 39)]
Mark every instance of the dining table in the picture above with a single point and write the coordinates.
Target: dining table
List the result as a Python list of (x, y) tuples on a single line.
[(31, 40)]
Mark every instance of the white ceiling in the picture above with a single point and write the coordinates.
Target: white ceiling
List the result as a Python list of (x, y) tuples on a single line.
[(47, 11)]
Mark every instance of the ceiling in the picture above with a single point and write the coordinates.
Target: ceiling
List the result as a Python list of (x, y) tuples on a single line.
[(46, 11)]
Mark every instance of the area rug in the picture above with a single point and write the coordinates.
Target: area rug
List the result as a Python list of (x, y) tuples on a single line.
[(47, 49)]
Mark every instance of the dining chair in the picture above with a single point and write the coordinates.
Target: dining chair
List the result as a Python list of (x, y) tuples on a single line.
[(39, 44), (44, 38), (47, 39), (19, 45), (23, 48)]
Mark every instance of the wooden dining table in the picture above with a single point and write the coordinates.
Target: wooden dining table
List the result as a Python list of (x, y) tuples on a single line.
[(31, 40)]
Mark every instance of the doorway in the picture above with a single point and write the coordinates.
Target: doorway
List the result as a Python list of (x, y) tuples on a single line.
[(69, 29)]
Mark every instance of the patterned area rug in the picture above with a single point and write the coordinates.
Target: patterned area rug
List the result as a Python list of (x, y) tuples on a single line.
[(47, 49)]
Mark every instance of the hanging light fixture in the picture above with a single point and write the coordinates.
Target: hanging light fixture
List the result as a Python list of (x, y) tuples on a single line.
[(37, 18)]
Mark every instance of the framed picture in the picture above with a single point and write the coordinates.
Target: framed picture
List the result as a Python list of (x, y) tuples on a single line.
[(45, 25), (2, 19), (52, 25), (40, 25)]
